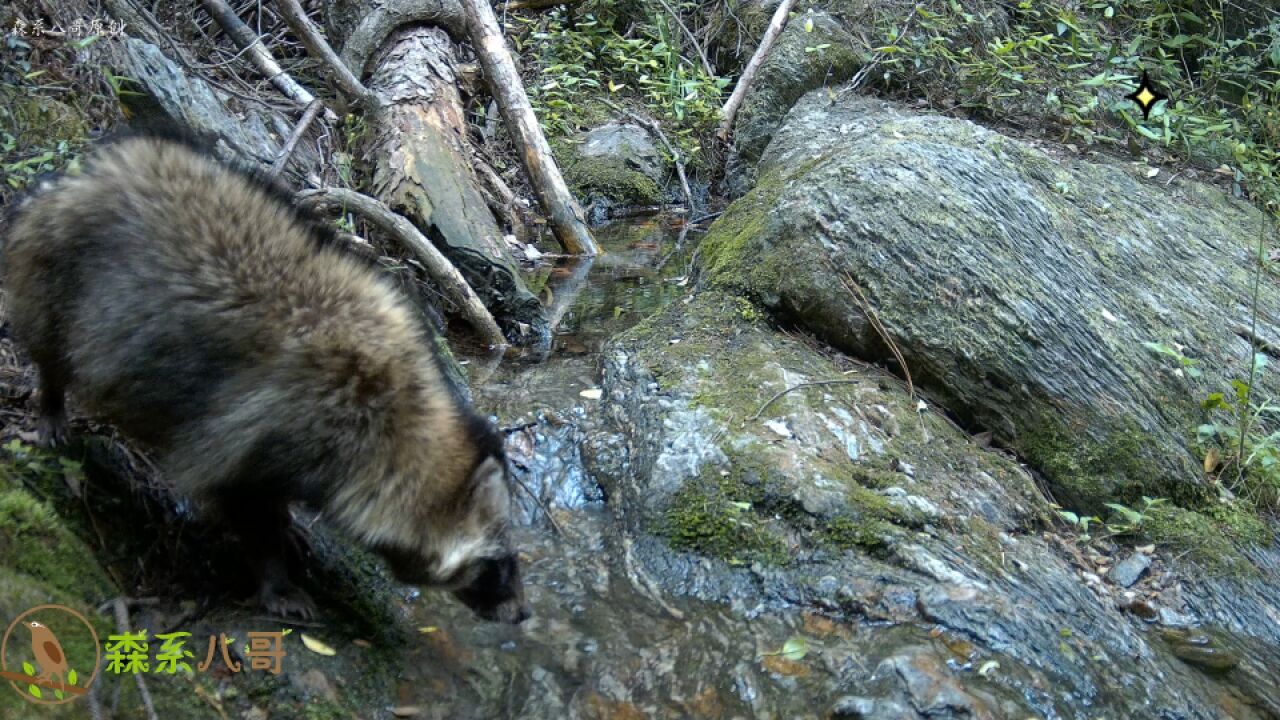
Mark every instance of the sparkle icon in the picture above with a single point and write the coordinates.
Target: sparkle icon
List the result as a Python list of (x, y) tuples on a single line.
[(1146, 96)]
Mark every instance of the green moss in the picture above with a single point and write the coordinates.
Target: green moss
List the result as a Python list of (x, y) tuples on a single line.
[(603, 177), (1200, 536), (1240, 522), (35, 543), (715, 517), (1086, 473), (747, 310), (870, 504), (848, 533)]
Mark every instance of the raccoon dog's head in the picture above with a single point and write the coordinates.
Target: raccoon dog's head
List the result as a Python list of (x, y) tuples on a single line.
[(471, 554)]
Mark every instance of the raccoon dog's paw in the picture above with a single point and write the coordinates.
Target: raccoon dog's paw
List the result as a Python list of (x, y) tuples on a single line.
[(51, 431), (289, 602)]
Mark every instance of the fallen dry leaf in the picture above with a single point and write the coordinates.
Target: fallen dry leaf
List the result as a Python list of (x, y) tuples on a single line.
[(406, 711), (592, 394)]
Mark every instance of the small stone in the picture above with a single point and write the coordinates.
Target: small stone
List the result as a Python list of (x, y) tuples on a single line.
[(1173, 618), (1127, 571), (851, 707)]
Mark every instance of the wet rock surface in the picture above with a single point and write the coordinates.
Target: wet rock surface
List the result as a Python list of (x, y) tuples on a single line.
[(1019, 286)]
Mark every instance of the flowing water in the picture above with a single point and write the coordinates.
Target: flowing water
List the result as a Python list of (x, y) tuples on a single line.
[(606, 641)]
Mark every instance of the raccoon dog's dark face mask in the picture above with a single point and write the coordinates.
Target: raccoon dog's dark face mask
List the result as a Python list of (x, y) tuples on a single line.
[(475, 561)]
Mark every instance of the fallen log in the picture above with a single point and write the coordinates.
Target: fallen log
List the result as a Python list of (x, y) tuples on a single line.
[(565, 216), (422, 168)]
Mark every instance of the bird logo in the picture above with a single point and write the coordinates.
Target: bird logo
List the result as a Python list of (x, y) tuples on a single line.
[(48, 652), (47, 675)]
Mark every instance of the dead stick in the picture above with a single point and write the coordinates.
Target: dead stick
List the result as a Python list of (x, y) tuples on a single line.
[(122, 625), (292, 143), (653, 127), (815, 383), (771, 34), (563, 211), (438, 267), (320, 49), (259, 55)]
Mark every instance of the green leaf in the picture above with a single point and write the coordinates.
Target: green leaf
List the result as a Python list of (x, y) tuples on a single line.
[(72, 677), (1215, 401), (35, 691), (795, 648), (1069, 516), (29, 669)]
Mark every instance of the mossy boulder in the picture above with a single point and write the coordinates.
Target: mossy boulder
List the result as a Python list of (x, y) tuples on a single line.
[(727, 470), (615, 165), (813, 51), (1023, 290)]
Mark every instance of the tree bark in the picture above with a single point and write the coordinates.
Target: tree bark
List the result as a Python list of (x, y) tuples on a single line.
[(422, 168), (566, 217), (776, 24)]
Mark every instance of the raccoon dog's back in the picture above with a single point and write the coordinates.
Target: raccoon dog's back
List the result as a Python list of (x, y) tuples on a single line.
[(196, 310)]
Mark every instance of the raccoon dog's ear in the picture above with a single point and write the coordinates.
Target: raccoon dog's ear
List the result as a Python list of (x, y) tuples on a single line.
[(490, 497)]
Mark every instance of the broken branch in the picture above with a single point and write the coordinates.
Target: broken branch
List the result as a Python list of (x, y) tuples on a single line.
[(440, 270), (565, 216), (776, 24), (320, 49), (299, 130), (259, 55)]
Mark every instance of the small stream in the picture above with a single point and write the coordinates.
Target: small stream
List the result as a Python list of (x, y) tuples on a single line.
[(605, 640)]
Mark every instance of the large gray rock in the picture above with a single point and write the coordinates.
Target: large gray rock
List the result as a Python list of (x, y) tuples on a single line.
[(784, 501), (813, 51), (1020, 287)]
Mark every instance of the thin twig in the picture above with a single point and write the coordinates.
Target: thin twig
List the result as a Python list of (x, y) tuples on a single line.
[(814, 383), (320, 49), (546, 510), (879, 327), (653, 127), (865, 71), (298, 131), (702, 54), (122, 625)]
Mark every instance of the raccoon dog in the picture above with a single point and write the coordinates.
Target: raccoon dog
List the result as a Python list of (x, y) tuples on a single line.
[(192, 306)]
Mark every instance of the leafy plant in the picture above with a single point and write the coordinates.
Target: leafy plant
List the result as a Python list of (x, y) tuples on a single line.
[(1081, 523), (590, 57), (1071, 65), (1125, 520)]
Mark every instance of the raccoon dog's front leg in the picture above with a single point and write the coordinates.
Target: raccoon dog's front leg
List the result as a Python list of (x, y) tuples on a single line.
[(262, 522)]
